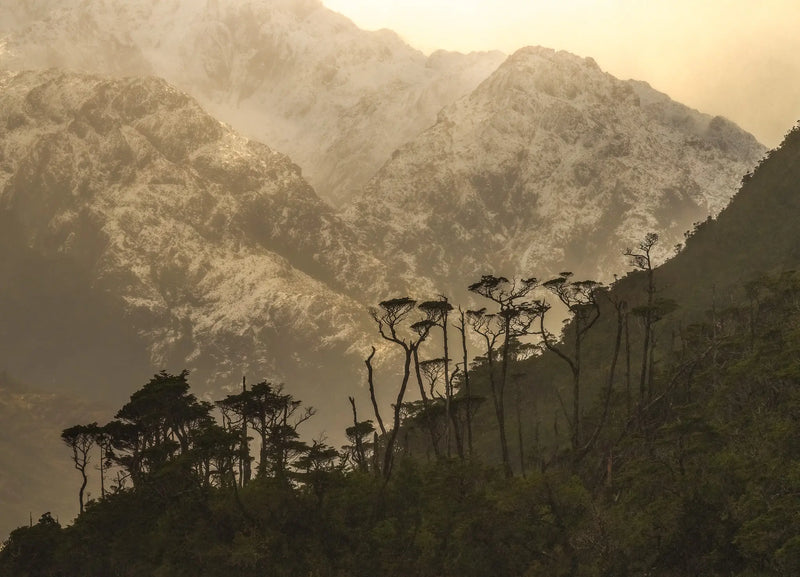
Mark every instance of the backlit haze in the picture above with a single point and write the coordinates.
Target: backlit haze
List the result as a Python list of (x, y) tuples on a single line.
[(730, 57)]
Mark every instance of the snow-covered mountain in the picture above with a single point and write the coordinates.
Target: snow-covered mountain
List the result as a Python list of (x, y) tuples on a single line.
[(550, 165), (210, 246), (336, 99), (138, 232)]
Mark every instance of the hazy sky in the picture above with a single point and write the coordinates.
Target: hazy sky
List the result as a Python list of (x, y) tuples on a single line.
[(737, 58)]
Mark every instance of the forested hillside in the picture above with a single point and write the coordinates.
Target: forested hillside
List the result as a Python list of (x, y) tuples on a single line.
[(701, 478), (680, 457)]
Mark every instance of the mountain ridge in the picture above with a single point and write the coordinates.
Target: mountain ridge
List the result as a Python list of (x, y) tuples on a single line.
[(193, 228), (554, 160), (294, 74)]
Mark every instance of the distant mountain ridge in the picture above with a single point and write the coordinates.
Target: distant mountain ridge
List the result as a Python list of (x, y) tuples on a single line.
[(291, 73), (211, 246), (550, 163)]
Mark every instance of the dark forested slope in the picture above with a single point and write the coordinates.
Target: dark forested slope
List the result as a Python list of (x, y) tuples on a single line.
[(756, 233)]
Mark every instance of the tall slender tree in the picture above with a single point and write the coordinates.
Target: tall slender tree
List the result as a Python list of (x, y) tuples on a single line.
[(395, 327), (438, 311), (81, 439), (580, 298), (357, 435), (641, 257), (513, 319), (103, 441), (487, 326), (462, 329), (429, 404)]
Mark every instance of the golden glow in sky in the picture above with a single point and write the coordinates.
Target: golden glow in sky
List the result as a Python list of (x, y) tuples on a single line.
[(736, 58)]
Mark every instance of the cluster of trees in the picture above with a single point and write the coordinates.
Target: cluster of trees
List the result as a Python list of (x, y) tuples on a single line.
[(447, 403), (681, 456), (164, 436), (168, 440), (511, 328)]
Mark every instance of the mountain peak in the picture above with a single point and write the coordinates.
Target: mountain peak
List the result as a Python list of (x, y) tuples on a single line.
[(529, 54), (552, 163), (539, 73)]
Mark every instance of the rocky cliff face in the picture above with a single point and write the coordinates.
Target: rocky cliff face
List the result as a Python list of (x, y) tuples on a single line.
[(211, 246), (337, 99), (549, 165)]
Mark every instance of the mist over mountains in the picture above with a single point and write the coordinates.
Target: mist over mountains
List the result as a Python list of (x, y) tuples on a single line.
[(290, 73), (140, 232)]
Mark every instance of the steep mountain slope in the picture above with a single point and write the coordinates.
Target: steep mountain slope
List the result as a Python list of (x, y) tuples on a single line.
[(708, 454), (160, 232), (549, 165), (754, 236), (756, 233), (335, 98), (709, 306)]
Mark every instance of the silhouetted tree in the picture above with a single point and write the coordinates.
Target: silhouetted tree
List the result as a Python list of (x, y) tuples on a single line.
[(315, 467), (234, 410), (244, 446), (275, 416), (462, 329), (158, 425), (103, 441), (580, 298), (620, 307), (513, 319), (438, 311), (357, 434), (642, 258), (371, 384), (81, 439), (391, 318)]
